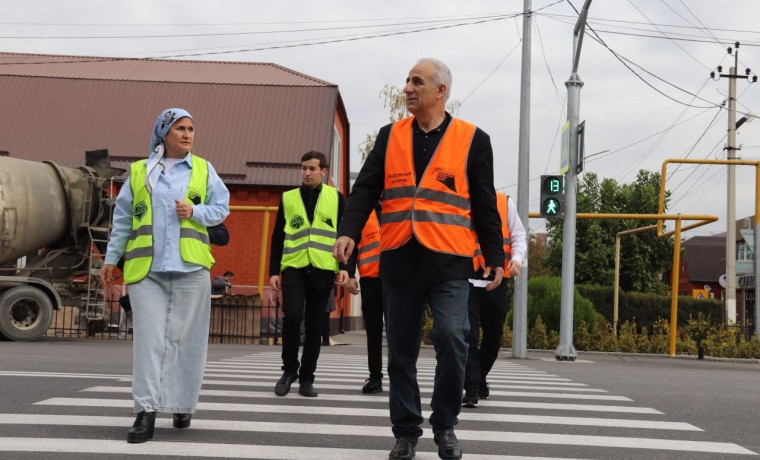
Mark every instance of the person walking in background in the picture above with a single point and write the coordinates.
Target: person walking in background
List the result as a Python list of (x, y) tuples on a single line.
[(487, 310), (368, 263), (302, 266), (159, 227), (221, 285), (435, 174)]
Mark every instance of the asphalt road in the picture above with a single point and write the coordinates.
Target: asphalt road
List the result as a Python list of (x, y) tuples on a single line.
[(67, 399)]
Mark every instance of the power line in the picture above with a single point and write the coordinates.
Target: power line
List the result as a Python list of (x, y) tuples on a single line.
[(672, 40), (621, 21), (260, 32)]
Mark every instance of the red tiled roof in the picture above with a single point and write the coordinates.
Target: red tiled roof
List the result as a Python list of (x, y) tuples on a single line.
[(253, 120)]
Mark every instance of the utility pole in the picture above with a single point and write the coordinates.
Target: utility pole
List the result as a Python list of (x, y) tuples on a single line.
[(565, 350), (520, 300), (731, 148)]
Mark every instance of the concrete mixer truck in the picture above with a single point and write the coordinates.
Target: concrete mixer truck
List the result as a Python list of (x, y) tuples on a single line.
[(54, 224)]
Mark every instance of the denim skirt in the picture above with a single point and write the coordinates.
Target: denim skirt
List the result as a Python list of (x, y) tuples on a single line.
[(171, 313)]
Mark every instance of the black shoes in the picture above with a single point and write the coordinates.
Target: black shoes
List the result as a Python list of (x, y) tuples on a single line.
[(448, 445), (306, 388), (283, 385), (372, 386), (142, 429), (483, 391), (470, 399), (181, 420), (404, 449)]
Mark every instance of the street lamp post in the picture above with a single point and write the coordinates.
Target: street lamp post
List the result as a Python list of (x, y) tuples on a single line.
[(565, 350)]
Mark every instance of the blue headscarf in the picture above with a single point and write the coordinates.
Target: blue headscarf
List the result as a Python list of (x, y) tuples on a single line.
[(164, 122)]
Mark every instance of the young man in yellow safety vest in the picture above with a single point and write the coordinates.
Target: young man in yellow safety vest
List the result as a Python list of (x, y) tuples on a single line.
[(301, 265)]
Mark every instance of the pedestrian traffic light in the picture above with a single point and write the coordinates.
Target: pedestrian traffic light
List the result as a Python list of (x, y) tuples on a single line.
[(551, 196)]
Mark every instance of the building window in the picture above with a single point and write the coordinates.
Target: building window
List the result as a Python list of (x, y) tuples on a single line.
[(742, 251), (335, 159)]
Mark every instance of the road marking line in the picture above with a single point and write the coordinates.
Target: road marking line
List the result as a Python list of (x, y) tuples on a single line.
[(64, 375), (426, 389), (484, 403), (290, 452), (194, 449), (368, 412)]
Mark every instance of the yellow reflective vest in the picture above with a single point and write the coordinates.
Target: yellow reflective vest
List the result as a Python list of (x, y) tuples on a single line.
[(193, 240), (310, 243)]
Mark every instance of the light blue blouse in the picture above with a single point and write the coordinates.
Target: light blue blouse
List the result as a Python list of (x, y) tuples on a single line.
[(166, 255)]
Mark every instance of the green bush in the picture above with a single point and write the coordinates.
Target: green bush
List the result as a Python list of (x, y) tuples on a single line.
[(659, 341), (537, 335), (506, 339), (646, 309), (544, 300), (582, 338), (628, 338)]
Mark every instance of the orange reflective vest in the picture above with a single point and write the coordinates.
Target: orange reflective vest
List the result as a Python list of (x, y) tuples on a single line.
[(502, 203), (369, 248), (437, 211)]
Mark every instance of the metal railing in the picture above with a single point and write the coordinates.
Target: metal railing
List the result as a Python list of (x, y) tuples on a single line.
[(235, 319)]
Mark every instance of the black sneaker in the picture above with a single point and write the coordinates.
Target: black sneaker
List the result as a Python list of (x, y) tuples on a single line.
[(372, 386), (306, 388), (283, 385), (470, 399), (483, 391)]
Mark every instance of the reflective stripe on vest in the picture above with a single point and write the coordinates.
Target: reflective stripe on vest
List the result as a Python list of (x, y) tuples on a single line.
[(502, 203), (193, 242), (369, 248), (437, 212), (310, 243)]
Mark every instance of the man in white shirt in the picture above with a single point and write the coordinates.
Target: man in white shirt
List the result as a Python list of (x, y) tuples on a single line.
[(488, 309)]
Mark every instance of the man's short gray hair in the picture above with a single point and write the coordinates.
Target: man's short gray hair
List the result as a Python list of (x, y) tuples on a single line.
[(441, 74)]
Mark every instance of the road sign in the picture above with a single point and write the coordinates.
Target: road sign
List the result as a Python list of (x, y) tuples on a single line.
[(551, 196)]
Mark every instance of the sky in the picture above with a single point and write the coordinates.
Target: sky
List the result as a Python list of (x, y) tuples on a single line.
[(647, 93)]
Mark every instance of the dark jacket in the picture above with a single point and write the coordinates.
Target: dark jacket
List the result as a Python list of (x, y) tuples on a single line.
[(402, 263)]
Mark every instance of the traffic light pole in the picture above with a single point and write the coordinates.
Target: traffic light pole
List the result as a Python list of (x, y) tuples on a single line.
[(520, 309), (565, 350)]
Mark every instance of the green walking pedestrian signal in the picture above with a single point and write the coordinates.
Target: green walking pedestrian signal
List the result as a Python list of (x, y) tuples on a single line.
[(551, 196)]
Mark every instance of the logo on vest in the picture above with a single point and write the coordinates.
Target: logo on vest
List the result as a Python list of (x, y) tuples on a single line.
[(296, 222), (194, 196), (446, 178), (328, 221), (140, 210)]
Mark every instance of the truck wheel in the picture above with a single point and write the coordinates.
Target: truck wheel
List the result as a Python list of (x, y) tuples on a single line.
[(25, 313)]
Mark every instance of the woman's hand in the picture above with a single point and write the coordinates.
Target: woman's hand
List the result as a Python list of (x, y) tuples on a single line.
[(184, 210)]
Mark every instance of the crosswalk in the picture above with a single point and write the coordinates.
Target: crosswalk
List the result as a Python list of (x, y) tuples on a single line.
[(531, 414)]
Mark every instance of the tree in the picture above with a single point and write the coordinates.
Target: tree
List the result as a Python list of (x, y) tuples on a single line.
[(644, 257), (536, 250), (395, 101)]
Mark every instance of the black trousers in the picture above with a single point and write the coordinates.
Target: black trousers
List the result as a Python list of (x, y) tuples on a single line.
[(372, 311), (486, 310), (304, 297)]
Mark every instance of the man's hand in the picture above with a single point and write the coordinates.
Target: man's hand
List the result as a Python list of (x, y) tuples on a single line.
[(498, 274), (342, 277), (514, 267), (343, 248), (352, 285), (276, 284), (184, 210), (106, 275)]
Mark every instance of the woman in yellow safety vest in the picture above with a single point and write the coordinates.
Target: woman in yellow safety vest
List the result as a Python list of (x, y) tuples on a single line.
[(159, 229)]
